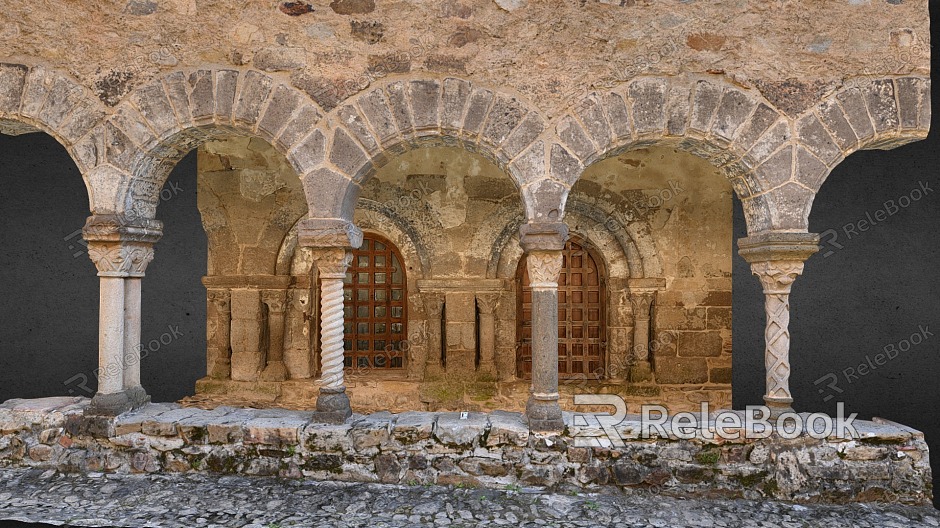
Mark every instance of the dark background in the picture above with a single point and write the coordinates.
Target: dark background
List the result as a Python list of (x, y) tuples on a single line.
[(859, 294)]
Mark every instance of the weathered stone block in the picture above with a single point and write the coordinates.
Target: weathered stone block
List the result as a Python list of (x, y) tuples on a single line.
[(760, 122), (733, 111), (299, 127), (809, 170), (255, 90), (284, 102), (425, 100), (12, 82), (814, 137), (480, 101), (618, 116), (679, 370), (704, 104), (370, 431), (523, 135), (456, 93), (202, 95), (346, 154), (564, 167), (412, 426), (356, 124), (308, 154), (398, 104), (226, 81), (507, 428), (575, 138), (832, 116), (882, 106), (377, 111), (154, 105), (453, 430), (856, 111), (649, 100)]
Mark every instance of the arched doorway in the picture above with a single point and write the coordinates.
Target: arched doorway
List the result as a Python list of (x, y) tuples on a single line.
[(582, 327), (375, 295)]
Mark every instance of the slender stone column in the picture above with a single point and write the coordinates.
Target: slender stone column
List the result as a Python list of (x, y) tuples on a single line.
[(777, 260), (276, 300), (486, 304), (331, 242), (434, 308), (642, 300), (220, 338), (132, 346), (121, 250), (543, 244)]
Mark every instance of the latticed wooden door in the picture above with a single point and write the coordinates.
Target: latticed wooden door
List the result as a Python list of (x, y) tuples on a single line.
[(581, 316), (375, 307)]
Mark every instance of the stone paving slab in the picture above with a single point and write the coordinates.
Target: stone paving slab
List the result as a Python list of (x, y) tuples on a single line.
[(233, 501)]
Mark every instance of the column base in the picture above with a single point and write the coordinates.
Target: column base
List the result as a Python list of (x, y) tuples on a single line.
[(275, 371), (109, 404), (137, 396), (221, 369), (544, 415), (778, 406), (332, 406), (641, 371)]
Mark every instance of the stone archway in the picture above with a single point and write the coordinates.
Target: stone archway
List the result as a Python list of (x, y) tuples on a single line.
[(401, 115)]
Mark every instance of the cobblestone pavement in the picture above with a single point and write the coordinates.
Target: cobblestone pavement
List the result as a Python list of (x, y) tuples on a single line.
[(200, 501)]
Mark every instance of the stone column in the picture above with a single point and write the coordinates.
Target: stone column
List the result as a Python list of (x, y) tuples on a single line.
[(121, 250), (777, 260), (219, 358), (543, 244), (331, 243), (640, 369), (276, 301), (434, 309), (132, 346), (487, 304)]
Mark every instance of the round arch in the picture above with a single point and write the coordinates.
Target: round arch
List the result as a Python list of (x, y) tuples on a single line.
[(369, 129), (40, 99), (158, 123)]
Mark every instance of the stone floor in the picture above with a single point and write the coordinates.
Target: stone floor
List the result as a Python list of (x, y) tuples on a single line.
[(212, 501)]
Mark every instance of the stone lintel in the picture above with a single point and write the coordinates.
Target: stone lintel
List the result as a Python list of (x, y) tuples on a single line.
[(543, 236), (328, 233), (254, 282), (776, 245), (121, 228), (650, 283), (462, 285)]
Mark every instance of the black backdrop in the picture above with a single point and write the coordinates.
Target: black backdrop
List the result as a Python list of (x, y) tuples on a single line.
[(864, 291)]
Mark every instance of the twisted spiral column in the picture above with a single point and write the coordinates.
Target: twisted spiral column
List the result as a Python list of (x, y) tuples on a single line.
[(331, 331), (332, 264)]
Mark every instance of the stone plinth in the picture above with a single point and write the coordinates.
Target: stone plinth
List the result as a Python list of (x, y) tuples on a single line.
[(493, 450)]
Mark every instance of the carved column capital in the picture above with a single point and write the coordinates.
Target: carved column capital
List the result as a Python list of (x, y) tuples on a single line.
[(433, 304), (221, 299), (120, 259), (777, 276), (488, 302), (276, 300), (641, 301), (332, 262), (543, 267)]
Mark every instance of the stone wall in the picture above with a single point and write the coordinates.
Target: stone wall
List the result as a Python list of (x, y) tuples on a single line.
[(889, 463), (656, 216)]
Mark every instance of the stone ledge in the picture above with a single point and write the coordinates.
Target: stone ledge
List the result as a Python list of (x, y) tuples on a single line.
[(493, 450)]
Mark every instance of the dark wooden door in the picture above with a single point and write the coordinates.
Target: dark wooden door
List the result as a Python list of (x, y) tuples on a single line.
[(375, 307)]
